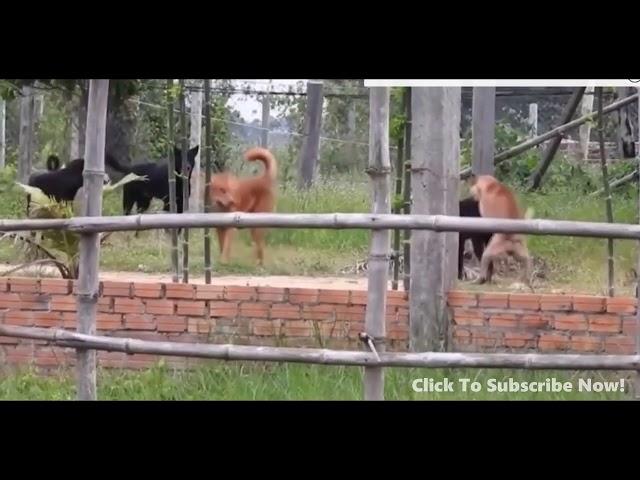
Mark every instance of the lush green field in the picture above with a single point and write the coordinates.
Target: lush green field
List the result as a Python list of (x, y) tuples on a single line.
[(220, 381)]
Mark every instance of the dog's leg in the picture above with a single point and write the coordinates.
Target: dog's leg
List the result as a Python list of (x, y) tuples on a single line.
[(521, 254), (258, 239), (225, 236), (497, 246), (461, 241)]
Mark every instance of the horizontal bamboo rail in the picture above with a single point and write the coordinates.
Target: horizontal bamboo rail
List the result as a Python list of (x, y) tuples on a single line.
[(529, 361), (439, 223)]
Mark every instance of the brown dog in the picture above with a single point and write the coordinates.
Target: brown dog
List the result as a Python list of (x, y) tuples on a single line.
[(498, 201), (229, 193)]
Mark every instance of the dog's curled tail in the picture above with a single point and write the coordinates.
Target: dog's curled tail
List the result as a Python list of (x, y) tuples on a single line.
[(53, 163), (266, 157)]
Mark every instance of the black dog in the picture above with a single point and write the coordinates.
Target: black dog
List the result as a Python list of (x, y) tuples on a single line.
[(469, 208), (61, 184), (156, 184)]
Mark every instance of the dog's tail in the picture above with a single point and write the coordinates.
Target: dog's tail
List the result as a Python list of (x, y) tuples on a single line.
[(266, 157), (53, 163), (113, 163)]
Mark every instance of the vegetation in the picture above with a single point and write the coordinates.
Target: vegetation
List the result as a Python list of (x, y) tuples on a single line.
[(256, 381)]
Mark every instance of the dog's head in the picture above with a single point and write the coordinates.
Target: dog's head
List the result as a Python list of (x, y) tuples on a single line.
[(191, 158), (222, 192)]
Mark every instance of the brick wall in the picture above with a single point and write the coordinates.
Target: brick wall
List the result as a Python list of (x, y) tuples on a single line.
[(300, 317), (498, 322), (293, 317)]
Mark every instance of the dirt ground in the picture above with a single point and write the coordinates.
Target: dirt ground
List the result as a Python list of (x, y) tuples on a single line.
[(337, 283)]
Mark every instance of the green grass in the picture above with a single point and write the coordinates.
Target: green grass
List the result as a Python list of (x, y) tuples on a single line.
[(221, 381)]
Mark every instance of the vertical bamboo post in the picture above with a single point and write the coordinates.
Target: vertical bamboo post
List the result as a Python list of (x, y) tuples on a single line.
[(379, 169), (184, 181), (175, 265), (607, 190), (207, 177), (483, 130), (397, 208), (406, 254), (637, 379), (88, 281), (3, 147)]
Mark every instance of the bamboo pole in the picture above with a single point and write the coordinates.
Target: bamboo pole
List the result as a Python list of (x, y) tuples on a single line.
[(207, 199), (406, 254), (605, 181), (379, 168), (397, 208), (184, 181), (172, 183), (526, 361), (637, 376), (88, 282), (524, 146), (616, 183), (362, 221)]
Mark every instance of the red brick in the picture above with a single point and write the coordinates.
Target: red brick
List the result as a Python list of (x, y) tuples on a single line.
[(573, 321), (285, 311), (487, 339), (462, 299), (223, 309), (49, 357), (69, 319), (105, 304), (200, 325), (588, 303), (171, 323), (535, 321), (621, 304), (180, 290), (24, 285), (396, 298), (271, 294), (519, 340), (134, 321), (397, 334), (209, 292), (629, 325), (48, 319), (111, 359), (493, 300), (9, 340), (553, 341), (503, 320), (191, 308), (159, 307), (116, 289), (298, 328), (31, 301), (332, 329), (55, 286), (621, 345), (610, 323), (22, 318), (10, 301), (555, 302), (585, 343), (319, 312), (350, 313), (64, 303), (255, 309), (333, 296), (463, 316), (109, 321), (462, 336), (128, 305), (304, 295), (264, 327), (147, 290), (524, 301), (4, 285), (240, 293)]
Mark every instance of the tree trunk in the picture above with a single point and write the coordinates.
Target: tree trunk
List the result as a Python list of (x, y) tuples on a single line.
[(121, 123), (25, 158)]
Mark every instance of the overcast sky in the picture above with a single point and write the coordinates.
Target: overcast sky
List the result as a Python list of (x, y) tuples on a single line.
[(249, 108)]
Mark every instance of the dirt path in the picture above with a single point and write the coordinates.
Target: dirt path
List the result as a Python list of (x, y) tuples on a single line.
[(337, 283)]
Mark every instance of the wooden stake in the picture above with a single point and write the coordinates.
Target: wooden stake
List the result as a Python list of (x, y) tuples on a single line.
[(379, 170), (184, 181), (88, 281), (173, 208), (207, 176), (484, 128)]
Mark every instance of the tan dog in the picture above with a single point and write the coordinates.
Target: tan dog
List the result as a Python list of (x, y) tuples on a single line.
[(498, 201), (229, 193)]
